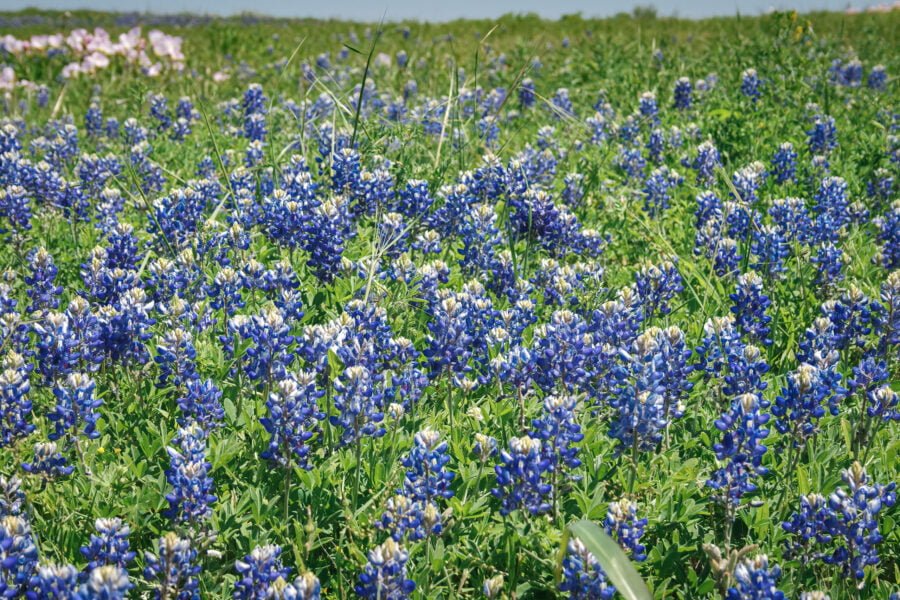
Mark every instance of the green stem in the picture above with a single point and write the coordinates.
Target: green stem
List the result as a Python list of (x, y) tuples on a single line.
[(287, 491), (634, 458), (358, 469)]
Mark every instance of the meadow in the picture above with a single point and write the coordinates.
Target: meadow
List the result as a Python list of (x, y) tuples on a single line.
[(505, 309)]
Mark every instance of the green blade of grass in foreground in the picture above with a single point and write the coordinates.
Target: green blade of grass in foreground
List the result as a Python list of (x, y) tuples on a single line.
[(615, 562)]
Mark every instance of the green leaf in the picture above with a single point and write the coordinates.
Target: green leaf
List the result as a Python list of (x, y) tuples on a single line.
[(802, 480), (848, 434), (614, 561)]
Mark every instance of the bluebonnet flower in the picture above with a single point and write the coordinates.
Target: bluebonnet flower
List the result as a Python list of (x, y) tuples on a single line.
[(791, 218), (109, 546), (109, 208), (358, 402), (647, 107), (617, 322), (657, 285), (844, 531), (42, 291), (124, 327), (176, 358), (877, 79), (108, 582), (638, 399), (152, 178), (15, 407), (741, 449), (54, 581), (515, 367), (853, 316), (76, 408), (656, 145), (414, 200), (726, 259), (189, 475), (308, 587), (706, 163), (174, 570), (831, 209), (740, 366), (404, 517), (427, 479), (822, 138), (449, 339), (414, 511), (829, 261), (122, 251), (258, 571), (159, 110), (15, 210), (111, 127), (374, 190), (746, 181), (12, 498), (93, 119), (269, 354), (623, 525), (562, 350), (526, 93), (632, 162), (870, 380), (753, 579), (521, 477), (201, 403), (683, 93), (18, 556), (672, 364), (881, 186), (224, 292), (484, 447), (559, 431), (393, 234), (708, 223), (326, 242), (769, 249), (847, 74), (95, 172), (493, 587), (888, 225), (802, 401), (784, 163), (582, 576), (48, 462), (751, 84), (345, 171), (890, 297), (573, 192), (657, 189), (384, 576), (562, 105), (600, 129), (292, 420), (749, 308)]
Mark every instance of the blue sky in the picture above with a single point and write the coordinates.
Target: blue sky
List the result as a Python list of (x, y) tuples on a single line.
[(370, 10)]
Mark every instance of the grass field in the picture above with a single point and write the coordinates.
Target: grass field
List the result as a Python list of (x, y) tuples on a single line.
[(294, 309)]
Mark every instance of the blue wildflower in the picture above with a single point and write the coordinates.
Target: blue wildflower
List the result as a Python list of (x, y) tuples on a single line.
[(384, 576)]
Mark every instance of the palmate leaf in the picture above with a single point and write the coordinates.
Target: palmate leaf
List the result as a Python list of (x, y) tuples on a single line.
[(615, 562)]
